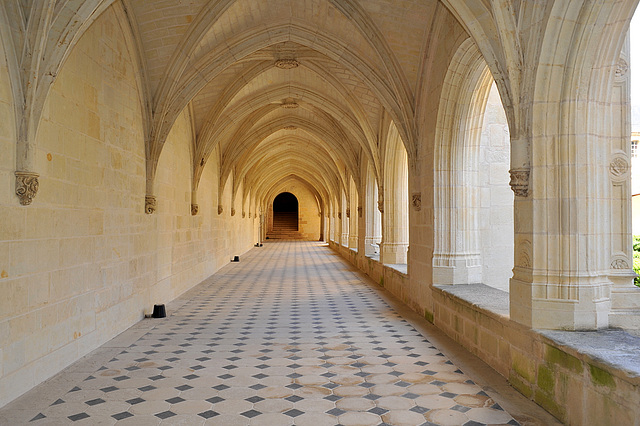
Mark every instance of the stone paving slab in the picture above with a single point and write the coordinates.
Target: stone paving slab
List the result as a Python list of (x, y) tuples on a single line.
[(288, 336)]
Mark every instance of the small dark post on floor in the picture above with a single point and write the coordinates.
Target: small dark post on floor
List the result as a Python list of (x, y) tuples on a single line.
[(159, 311)]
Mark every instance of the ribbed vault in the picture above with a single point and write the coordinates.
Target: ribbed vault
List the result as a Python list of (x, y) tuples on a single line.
[(299, 90)]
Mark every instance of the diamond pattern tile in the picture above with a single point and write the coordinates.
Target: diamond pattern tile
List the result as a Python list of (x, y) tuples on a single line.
[(290, 333)]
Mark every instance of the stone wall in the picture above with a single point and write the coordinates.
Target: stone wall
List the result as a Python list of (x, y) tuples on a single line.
[(84, 262), (572, 384)]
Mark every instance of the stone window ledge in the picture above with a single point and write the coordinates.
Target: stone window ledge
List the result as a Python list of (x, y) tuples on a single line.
[(400, 267), (615, 350), (480, 296), (375, 257)]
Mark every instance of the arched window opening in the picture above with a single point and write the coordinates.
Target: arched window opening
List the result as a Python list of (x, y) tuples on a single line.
[(373, 223), (353, 215), (474, 225), (344, 221), (495, 200), (395, 227), (285, 212)]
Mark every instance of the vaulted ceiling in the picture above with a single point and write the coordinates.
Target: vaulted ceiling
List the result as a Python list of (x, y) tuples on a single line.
[(277, 88), (283, 87)]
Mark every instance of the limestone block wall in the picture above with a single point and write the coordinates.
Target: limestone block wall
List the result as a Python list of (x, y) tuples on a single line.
[(575, 387), (84, 262), (384, 275)]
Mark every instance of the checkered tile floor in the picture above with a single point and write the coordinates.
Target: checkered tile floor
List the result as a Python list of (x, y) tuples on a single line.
[(288, 336)]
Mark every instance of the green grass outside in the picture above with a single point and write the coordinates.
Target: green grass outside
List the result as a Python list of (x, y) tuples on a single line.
[(636, 258)]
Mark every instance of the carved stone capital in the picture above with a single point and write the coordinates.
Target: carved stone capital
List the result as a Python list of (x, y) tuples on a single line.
[(26, 186), (233, 211), (194, 209), (150, 204), (519, 182), (220, 209), (416, 201)]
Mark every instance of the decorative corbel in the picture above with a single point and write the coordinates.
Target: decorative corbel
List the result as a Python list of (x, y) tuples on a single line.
[(194, 209), (359, 211), (26, 186), (150, 204), (381, 206), (233, 211), (519, 182), (348, 212), (220, 209), (244, 214), (416, 201)]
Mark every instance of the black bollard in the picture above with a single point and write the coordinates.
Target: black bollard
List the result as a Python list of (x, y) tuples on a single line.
[(159, 311)]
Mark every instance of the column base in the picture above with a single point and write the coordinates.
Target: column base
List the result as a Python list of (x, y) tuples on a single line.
[(457, 270), (353, 242), (586, 313), (393, 253), (371, 246)]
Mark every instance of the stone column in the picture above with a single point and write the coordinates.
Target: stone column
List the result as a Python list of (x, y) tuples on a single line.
[(562, 233), (352, 215), (344, 222), (371, 218), (393, 249)]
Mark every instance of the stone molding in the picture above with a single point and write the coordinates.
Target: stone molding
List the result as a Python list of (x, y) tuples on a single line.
[(519, 182), (27, 185), (289, 104), (150, 204), (287, 64), (619, 264), (194, 209)]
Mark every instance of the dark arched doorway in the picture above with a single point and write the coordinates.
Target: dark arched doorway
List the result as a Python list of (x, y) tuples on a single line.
[(285, 212)]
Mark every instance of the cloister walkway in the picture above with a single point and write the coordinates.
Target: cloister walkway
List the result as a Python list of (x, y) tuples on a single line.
[(290, 335)]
